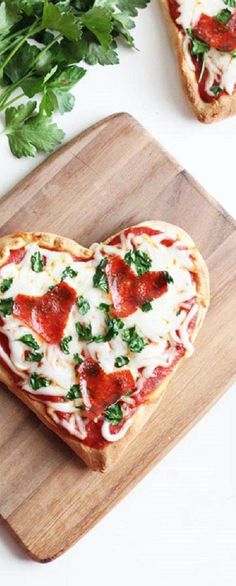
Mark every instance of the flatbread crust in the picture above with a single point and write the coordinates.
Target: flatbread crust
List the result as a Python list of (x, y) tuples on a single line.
[(224, 106), (103, 459)]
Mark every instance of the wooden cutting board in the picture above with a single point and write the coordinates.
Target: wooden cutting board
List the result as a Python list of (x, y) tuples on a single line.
[(113, 175)]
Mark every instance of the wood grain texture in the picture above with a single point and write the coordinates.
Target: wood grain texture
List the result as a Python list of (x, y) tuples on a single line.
[(113, 175)]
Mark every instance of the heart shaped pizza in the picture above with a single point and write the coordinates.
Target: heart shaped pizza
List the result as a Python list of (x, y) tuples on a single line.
[(89, 338)]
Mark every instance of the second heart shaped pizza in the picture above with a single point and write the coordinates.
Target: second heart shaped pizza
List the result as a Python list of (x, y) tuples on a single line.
[(89, 338)]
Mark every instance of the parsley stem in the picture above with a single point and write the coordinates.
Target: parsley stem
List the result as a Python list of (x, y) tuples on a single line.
[(7, 104), (13, 38), (32, 31), (5, 95)]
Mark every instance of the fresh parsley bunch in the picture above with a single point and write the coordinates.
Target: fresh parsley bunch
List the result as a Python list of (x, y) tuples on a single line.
[(41, 44)]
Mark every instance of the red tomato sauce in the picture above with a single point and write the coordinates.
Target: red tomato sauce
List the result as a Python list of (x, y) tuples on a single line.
[(174, 12), (136, 231)]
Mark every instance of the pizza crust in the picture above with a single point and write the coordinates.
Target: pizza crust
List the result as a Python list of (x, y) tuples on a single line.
[(103, 459), (224, 106)]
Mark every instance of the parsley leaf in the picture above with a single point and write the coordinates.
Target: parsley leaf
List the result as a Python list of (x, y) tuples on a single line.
[(146, 307), (54, 18), (223, 16), (37, 381), (34, 356), (83, 305), (216, 89), (78, 359), (141, 261), (121, 361), (105, 307), (169, 278), (5, 285), (99, 278), (29, 132), (114, 414), (231, 3), (21, 62), (68, 272), (74, 393), (114, 325), (37, 262), (41, 41), (84, 332), (56, 95), (98, 21), (65, 344), (9, 16), (134, 342), (30, 341), (6, 306), (197, 47)]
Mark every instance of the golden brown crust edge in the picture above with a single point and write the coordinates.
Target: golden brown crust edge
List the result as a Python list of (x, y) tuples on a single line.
[(222, 107), (103, 459)]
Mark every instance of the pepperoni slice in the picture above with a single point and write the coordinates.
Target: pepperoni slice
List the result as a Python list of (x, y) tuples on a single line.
[(122, 285), (218, 35), (46, 315), (103, 389), (15, 256), (128, 290), (150, 286)]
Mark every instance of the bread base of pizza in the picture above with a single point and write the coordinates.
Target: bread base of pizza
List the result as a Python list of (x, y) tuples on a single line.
[(205, 48), (89, 338)]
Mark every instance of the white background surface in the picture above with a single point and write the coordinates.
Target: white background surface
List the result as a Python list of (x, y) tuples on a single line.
[(178, 526)]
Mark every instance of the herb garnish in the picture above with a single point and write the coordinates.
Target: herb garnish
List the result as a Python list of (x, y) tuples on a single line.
[(6, 306), (30, 341), (147, 306), (121, 361), (169, 278), (83, 305), (135, 342), (5, 285), (41, 43), (74, 393), (114, 414), (65, 344), (198, 47), (37, 381), (34, 356), (78, 359), (140, 259), (84, 332), (37, 262), (99, 278), (223, 16), (68, 272)]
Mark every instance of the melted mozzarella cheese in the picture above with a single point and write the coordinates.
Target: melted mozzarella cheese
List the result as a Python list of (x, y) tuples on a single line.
[(191, 10), (114, 437), (157, 327), (220, 67)]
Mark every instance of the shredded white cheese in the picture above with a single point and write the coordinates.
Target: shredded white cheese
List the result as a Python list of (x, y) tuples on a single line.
[(157, 327)]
